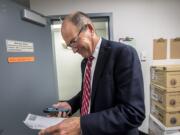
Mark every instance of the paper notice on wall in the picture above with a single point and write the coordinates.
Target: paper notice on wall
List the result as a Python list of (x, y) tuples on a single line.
[(19, 46)]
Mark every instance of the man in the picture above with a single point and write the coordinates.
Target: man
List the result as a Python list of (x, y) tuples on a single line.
[(111, 72)]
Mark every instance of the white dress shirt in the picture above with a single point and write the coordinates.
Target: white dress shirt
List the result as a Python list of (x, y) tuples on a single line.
[(95, 55)]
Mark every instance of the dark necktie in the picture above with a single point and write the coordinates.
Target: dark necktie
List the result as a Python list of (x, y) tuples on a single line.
[(86, 87)]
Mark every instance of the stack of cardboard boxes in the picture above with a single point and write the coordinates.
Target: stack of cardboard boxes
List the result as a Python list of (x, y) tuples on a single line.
[(165, 100)]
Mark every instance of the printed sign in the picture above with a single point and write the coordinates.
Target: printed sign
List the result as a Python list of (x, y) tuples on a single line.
[(21, 59), (19, 46)]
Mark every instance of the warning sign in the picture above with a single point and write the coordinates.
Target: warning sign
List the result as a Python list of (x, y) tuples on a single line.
[(21, 59)]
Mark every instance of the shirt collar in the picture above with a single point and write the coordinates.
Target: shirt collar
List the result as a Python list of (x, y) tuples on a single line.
[(96, 51)]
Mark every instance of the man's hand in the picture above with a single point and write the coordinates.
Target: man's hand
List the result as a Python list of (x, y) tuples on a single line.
[(64, 105), (70, 126)]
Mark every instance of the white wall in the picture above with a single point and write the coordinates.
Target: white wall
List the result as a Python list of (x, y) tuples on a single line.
[(67, 66), (143, 20)]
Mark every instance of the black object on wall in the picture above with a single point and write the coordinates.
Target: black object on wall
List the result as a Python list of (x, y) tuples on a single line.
[(26, 87)]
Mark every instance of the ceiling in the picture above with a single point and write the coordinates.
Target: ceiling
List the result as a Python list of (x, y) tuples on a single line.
[(25, 3)]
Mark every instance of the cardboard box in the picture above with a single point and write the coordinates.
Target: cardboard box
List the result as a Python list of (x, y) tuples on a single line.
[(169, 119), (157, 128), (167, 76), (172, 89), (169, 101)]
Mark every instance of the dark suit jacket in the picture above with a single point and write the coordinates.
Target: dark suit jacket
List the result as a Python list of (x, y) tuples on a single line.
[(117, 100)]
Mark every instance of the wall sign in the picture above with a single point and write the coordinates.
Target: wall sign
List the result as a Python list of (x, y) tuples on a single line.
[(19, 46), (21, 59)]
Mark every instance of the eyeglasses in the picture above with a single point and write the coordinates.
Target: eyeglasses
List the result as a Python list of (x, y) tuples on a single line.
[(72, 43)]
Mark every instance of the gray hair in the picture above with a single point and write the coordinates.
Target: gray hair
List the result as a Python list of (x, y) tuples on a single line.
[(79, 19)]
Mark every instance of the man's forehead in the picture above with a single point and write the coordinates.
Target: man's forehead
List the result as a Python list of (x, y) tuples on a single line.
[(68, 26), (68, 30)]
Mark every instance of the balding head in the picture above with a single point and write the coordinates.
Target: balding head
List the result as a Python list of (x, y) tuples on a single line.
[(79, 33), (79, 19)]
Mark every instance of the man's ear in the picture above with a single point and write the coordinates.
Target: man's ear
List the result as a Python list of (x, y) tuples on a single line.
[(91, 28)]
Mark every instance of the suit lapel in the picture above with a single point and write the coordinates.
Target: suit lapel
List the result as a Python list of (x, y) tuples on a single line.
[(102, 58)]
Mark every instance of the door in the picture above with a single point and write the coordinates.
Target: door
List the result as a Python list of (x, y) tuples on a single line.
[(26, 85)]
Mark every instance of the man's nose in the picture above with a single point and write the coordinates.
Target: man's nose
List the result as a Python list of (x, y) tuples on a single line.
[(75, 49)]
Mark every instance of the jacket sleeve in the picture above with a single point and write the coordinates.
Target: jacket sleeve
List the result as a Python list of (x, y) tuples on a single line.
[(75, 102), (129, 111)]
